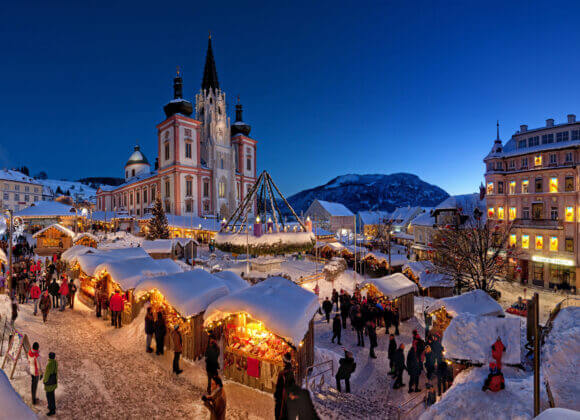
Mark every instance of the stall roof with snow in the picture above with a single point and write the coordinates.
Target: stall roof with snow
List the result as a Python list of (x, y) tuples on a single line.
[(396, 259), (46, 209), (232, 281), (128, 273), (476, 302), (427, 280), (56, 226), (11, 404), (419, 267), (169, 266), (158, 246), (393, 286), (285, 308), (189, 292), (90, 261), (75, 251), (470, 337)]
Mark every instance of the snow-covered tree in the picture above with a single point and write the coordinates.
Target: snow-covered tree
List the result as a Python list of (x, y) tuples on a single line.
[(158, 228)]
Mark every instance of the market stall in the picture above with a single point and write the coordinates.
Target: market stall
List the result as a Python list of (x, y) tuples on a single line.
[(183, 298), (396, 289), (260, 324), (414, 269), (476, 302), (232, 281), (436, 285), (86, 239), (53, 239)]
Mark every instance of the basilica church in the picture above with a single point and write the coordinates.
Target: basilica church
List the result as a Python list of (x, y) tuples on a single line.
[(205, 165)]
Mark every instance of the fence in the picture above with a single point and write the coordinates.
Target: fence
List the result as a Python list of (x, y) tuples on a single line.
[(410, 406), (17, 342), (318, 370), (310, 279)]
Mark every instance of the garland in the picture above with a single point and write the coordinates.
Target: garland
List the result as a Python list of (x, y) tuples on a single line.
[(266, 249)]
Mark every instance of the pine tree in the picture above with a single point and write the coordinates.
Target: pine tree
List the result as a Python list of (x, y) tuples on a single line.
[(158, 227)]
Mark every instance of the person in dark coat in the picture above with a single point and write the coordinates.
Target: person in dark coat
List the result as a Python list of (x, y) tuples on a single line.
[(327, 308), (300, 404), (53, 288), (283, 384), (336, 329), (359, 324), (15, 310), (177, 348), (346, 366), (149, 329), (442, 376), (399, 364), (391, 353), (160, 331), (388, 318), (72, 290), (44, 305), (396, 320), (212, 354), (372, 333), (344, 310), (414, 369), (335, 298), (429, 362)]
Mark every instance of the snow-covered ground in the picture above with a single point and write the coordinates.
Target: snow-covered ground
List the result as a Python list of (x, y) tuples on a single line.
[(77, 190)]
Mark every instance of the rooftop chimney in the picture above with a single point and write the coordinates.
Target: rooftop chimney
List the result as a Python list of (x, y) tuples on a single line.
[(571, 118), (523, 128), (550, 122)]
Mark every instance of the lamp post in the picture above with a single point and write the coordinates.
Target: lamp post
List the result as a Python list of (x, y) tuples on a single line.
[(10, 222)]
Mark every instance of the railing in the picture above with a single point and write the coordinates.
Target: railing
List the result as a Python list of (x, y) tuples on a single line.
[(310, 279), (406, 407), (321, 369), (538, 223)]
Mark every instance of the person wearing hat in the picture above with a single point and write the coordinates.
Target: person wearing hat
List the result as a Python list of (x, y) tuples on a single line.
[(50, 381), (215, 401), (177, 348), (284, 382), (346, 366)]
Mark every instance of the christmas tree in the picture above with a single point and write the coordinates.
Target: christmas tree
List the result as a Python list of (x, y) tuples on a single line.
[(157, 226)]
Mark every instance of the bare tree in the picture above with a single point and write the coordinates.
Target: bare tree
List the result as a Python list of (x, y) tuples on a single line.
[(475, 254)]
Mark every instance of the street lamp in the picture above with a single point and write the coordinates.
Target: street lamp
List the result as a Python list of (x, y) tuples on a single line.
[(10, 227)]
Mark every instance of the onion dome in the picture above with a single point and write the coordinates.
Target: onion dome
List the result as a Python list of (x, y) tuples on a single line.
[(240, 127), (137, 157), (178, 105)]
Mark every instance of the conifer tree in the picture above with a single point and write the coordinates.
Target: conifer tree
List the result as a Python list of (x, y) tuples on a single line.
[(158, 228)]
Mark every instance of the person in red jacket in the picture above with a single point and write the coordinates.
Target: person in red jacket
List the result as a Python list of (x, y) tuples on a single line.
[(63, 291), (117, 305), (35, 295), (497, 351)]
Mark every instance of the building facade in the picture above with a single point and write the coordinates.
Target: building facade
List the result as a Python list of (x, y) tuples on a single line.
[(532, 184), (18, 191), (205, 165)]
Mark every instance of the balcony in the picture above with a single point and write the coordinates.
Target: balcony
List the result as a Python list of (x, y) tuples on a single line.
[(538, 224)]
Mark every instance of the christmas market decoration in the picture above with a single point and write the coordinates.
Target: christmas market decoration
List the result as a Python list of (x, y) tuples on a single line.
[(259, 325), (395, 289), (53, 239), (158, 228), (86, 239), (240, 234)]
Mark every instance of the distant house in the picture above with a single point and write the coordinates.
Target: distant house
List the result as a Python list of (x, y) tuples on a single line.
[(368, 222), (401, 217), (335, 217), (423, 227)]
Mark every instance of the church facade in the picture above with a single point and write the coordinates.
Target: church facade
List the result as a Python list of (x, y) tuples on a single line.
[(205, 165)]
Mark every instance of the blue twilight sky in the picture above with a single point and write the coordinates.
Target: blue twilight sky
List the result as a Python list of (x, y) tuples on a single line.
[(329, 87)]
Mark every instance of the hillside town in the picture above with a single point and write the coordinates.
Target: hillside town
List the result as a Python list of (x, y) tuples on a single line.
[(194, 286)]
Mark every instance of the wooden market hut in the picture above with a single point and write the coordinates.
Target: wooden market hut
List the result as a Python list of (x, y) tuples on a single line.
[(259, 325), (430, 282), (183, 298), (86, 239), (53, 239), (185, 248), (414, 269), (476, 302), (396, 288)]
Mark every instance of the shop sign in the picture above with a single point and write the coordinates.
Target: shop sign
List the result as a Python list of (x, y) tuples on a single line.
[(539, 258)]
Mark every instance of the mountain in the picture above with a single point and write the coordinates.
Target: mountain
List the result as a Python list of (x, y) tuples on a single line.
[(372, 192)]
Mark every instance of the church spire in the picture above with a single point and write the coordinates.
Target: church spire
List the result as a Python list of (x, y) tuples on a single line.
[(497, 138), (210, 79)]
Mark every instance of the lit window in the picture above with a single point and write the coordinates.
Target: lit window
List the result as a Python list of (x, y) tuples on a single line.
[(489, 188), (538, 160), (525, 241), (539, 242), (525, 186), (513, 213), (569, 214), (500, 214), (553, 243), (513, 240), (222, 189), (512, 189), (553, 185), (490, 212)]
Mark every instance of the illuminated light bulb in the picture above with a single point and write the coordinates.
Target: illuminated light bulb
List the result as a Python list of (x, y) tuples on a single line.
[(257, 219)]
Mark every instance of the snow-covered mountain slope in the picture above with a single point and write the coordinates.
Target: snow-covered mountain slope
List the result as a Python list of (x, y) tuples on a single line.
[(77, 190), (372, 192)]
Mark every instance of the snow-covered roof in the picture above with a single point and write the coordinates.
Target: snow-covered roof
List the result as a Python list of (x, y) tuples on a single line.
[(373, 217), (90, 261), (189, 292), (169, 266), (561, 358), (419, 267), (403, 235), (190, 222), (465, 204), (128, 273), (402, 216), (476, 302), (11, 403), (396, 259), (286, 238), (336, 246), (56, 226), (423, 219), (10, 175), (163, 246), (284, 307), (46, 209), (558, 413), (75, 251), (469, 337), (185, 241), (232, 281), (335, 209), (427, 280), (86, 235), (393, 286)]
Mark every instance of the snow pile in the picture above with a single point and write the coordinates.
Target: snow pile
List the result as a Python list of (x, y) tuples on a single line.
[(129, 272), (561, 358), (74, 251), (189, 292), (169, 266), (232, 281), (393, 286), (56, 226), (476, 302), (427, 280), (466, 400), (469, 337), (285, 308), (334, 267), (11, 404), (558, 414)]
